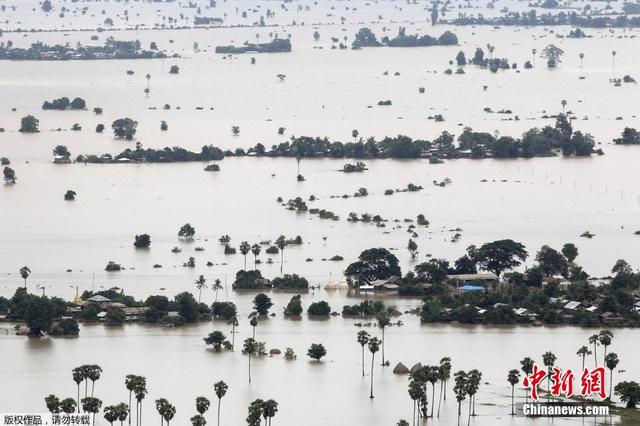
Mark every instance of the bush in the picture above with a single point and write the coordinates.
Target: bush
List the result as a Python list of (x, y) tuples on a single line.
[(294, 307), (66, 327), (316, 351), (290, 281), (115, 317), (321, 308)]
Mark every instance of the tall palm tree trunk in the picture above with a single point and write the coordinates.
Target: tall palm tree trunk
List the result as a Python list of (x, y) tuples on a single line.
[(78, 397), (129, 408), (372, 358), (440, 397), (383, 346), (433, 396), (249, 368), (363, 361), (469, 417), (219, 402), (512, 390)]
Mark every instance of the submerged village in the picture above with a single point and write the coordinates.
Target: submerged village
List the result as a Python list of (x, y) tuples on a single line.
[(390, 212)]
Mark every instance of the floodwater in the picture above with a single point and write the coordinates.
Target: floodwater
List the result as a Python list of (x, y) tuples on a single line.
[(325, 93)]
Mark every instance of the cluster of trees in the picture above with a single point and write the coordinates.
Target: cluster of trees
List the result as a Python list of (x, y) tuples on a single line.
[(630, 136), (112, 49), (533, 143), (274, 46), (165, 155), (41, 314), (366, 38), (63, 103), (531, 18)]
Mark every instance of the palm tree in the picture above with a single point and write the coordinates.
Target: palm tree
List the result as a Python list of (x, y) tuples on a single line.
[(24, 273), (78, 377), (198, 420), (490, 48), (255, 250), (473, 384), (91, 405), (140, 391), (444, 373), (355, 134), (269, 410), (123, 412), (53, 404), (221, 390), (611, 361), (432, 374), (613, 60), (526, 365), (374, 346), (564, 105), (249, 349), (549, 360), (217, 285), (169, 413), (460, 389), (281, 242), (583, 352), (201, 283), (93, 374), (384, 319), (416, 392), (245, 248), (513, 378), (363, 339), (202, 405), (593, 339), (604, 338), (147, 90), (534, 51), (234, 323), (253, 322), (161, 405), (581, 56), (111, 414), (130, 383)]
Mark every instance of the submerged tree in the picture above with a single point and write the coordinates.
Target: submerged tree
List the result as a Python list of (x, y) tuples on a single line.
[(220, 389), (363, 340), (513, 378), (374, 346)]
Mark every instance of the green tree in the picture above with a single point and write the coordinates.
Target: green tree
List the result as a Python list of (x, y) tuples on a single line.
[(570, 251), (594, 339), (460, 390), (53, 404), (245, 248), (161, 406), (294, 307), (412, 246), (604, 338), (29, 124), (124, 128), (526, 365), (551, 261), (198, 420), (111, 414), (363, 340), (187, 231), (281, 243), (68, 406), (513, 378), (201, 283), (24, 273), (372, 264), (374, 346), (500, 255), (215, 339), (549, 360), (611, 361), (444, 373), (91, 405), (416, 393), (316, 351), (249, 348), (262, 303), (93, 373), (583, 352), (629, 392), (142, 241), (202, 405), (220, 389), (384, 319), (269, 410), (255, 250)]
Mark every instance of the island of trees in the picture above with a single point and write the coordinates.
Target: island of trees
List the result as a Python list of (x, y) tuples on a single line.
[(366, 38), (112, 49), (274, 46)]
